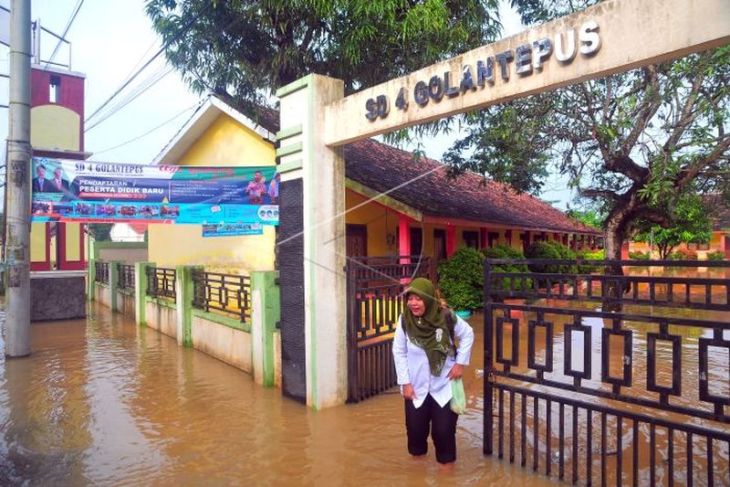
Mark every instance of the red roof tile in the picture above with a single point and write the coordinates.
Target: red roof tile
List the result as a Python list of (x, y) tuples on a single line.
[(138, 228), (423, 185)]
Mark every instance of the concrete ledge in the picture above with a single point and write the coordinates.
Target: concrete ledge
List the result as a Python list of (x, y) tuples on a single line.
[(56, 274), (222, 320), (167, 303)]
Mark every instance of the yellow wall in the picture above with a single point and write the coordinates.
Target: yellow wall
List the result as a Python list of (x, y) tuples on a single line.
[(228, 143), (38, 242), (73, 241), (378, 220), (225, 143), (54, 127)]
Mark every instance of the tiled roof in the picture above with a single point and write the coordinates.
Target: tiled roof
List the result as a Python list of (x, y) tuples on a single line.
[(267, 117), (468, 197), (138, 228)]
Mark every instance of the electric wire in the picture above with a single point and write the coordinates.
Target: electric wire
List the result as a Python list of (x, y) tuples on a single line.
[(65, 31), (182, 31), (147, 84), (149, 131)]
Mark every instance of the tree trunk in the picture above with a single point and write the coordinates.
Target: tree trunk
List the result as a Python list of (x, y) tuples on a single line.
[(614, 238)]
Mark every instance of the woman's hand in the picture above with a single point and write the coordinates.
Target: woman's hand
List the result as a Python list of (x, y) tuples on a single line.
[(456, 371), (409, 392)]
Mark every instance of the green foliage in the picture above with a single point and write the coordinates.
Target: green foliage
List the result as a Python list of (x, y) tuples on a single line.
[(590, 218), (494, 147), (683, 254), (543, 250), (689, 224), (716, 255), (599, 254), (245, 50), (551, 250), (100, 231), (640, 255), (461, 279), (507, 252)]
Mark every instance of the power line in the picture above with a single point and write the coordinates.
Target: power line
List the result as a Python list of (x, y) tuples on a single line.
[(182, 31), (65, 31), (148, 132), (144, 86)]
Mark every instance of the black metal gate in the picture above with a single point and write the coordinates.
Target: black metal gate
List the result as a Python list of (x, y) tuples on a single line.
[(374, 303), (635, 396)]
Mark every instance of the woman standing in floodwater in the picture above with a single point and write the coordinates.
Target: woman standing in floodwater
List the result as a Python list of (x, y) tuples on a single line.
[(426, 360)]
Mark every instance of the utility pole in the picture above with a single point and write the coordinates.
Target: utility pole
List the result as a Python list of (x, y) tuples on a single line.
[(17, 230)]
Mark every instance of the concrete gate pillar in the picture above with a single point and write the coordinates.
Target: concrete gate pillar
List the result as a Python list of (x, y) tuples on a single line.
[(311, 247)]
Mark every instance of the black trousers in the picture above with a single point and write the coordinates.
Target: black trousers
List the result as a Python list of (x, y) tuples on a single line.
[(441, 421)]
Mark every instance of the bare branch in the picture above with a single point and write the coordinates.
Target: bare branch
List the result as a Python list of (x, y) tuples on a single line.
[(651, 103), (599, 193), (689, 173), (625, 165)]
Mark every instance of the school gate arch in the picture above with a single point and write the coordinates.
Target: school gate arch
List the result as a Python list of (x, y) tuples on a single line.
[(317, 120)]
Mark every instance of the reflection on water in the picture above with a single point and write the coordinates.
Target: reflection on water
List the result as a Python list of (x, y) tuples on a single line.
[(103, 402)]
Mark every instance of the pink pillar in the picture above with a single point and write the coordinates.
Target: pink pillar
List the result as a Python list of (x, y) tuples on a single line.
[(450, 240), (404, 236), (725, 245), (484, 237), (625, 251)]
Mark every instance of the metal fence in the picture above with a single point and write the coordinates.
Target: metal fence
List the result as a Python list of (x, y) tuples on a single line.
[(125, 277), (161, 282), (101, 272), (374, 303), (634, 392), (228, 294)]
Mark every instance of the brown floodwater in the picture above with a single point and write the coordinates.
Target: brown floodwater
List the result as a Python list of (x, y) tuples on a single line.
[(103, 402)]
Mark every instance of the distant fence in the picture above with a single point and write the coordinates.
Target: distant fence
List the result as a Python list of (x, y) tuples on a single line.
[(101, 272), (228, 294), (125, 277), (161, 282)]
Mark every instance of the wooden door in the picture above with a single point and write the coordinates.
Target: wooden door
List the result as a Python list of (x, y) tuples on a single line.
[(357, 240)]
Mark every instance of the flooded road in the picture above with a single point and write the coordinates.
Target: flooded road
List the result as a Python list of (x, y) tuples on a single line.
[(103, 402)]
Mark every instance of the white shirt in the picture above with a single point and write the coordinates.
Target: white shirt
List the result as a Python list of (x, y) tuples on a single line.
[(411, 364)]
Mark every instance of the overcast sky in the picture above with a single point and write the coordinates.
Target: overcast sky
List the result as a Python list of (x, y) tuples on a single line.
[(110, 39)]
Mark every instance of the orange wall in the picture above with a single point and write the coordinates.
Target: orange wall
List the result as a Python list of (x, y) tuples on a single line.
[(715, 245)]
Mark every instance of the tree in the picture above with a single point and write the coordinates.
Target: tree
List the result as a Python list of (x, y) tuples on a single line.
[(633, 144), (588, 217), (100, 231), (689, 224), (243, 51)]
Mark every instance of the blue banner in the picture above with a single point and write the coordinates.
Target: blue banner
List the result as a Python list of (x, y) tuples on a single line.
[(84, 191), (232, 229)]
